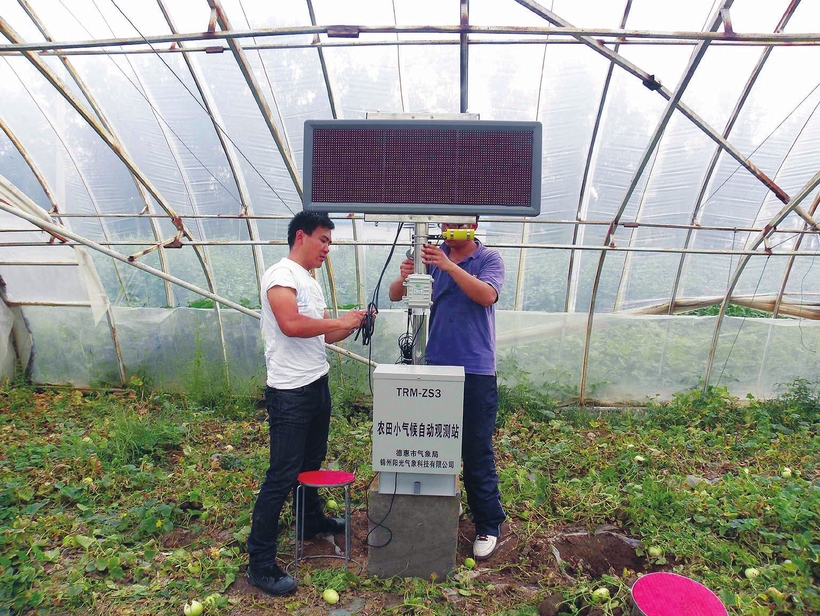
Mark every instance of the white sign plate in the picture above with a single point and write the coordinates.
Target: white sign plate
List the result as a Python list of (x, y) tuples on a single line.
[(417, 419)]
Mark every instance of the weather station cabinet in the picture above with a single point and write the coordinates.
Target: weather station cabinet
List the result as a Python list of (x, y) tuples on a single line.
[(417, 428), (417, 434)]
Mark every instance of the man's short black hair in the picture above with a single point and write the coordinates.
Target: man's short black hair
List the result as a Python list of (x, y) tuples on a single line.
[(307, 222)]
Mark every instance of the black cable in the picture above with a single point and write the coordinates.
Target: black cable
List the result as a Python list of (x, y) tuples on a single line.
[(380, 524), (407, 341), (406, 344), (368, 324)]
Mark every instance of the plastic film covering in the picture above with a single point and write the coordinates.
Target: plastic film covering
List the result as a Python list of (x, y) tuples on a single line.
[(19, 174), (52, 284), (7, 355), (290, 80), (181, 349), (631, 359), (214, 155), (70, 348), (263, 170)]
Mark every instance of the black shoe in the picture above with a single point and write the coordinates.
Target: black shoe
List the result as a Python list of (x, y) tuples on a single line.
[(332, 526), (272, 580)]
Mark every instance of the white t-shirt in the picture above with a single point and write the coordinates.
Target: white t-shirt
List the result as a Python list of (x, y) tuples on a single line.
[(293, 362)]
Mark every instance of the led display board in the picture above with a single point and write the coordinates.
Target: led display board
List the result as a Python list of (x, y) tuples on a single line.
[(461, 167)]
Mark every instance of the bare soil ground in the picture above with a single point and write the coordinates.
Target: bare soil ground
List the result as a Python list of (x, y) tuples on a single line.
[(519, 573)]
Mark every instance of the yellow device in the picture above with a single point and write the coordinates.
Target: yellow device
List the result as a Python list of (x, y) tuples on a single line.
[(458, 234)]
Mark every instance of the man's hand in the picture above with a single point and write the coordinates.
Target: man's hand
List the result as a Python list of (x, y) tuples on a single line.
[(285, 310), (352, 319), (345, 325), (433, 255), (397, 290), (406, 268)]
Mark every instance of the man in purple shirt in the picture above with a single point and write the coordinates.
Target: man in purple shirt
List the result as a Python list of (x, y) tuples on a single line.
[(467, 278)]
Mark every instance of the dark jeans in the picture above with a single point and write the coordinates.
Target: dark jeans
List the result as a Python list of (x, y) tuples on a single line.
[(480, 476), (299, 421)]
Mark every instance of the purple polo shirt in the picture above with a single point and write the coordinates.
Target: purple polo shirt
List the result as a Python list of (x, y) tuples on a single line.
[(462, 332)]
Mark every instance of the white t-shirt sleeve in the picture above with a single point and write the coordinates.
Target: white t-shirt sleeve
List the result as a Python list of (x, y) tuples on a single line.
[(280, 277)]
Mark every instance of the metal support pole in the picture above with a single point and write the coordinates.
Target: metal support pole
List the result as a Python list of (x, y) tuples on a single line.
[(419, 320), (464, 54)]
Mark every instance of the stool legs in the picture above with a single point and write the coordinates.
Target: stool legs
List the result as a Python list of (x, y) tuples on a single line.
[(347, 526), (299, 540)]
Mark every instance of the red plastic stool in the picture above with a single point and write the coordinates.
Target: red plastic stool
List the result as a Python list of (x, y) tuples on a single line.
[(669, 594), (320, 479)]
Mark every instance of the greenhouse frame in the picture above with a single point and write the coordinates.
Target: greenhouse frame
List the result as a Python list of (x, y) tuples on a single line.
[(151, 158)]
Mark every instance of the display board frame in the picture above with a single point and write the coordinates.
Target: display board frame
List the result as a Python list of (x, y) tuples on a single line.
[(429, 167)]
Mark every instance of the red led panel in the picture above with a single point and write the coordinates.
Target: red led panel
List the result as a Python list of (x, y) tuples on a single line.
[(425, 167)]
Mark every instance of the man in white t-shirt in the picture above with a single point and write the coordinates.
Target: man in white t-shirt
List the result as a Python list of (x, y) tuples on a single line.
[(296, 325)]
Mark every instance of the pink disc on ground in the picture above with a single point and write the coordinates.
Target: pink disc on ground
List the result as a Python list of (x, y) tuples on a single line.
[(669, 594)]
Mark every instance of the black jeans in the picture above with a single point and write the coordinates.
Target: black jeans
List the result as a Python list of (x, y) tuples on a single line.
[(480, 476), (299, 421)]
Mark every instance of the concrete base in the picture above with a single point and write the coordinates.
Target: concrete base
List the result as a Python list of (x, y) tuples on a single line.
[(424, 535)]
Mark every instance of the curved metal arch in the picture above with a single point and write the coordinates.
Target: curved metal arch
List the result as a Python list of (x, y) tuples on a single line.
[(41, 180), (92, 198), (264, 108), (230, 154), (790, 263), (105, 134), (649, 81), (694, 60), (779, 299), (627, 267), (104, 121), (573, 270), (808, 223), (358, 251), (794, 202), (109, 138), (330, 96), (56, 229), (261, 58), (697, 212), (202, 252), (360, 283)]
